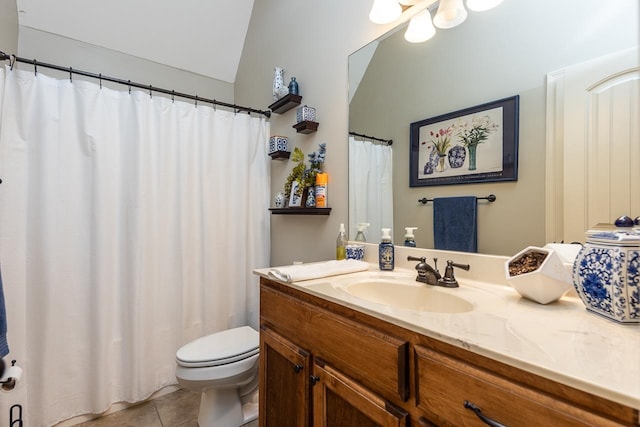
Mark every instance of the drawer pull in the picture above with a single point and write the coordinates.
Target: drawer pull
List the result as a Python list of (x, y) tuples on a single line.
[(314, 379), (484, 418), (297, 368)]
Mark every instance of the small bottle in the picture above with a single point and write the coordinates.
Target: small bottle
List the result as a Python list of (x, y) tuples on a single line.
[(409, 239), (360, 237), (341, 244), (321, 190), (293, 86), (386, 254)]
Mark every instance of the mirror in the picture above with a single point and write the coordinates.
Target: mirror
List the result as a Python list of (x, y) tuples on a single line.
[(496, 54)]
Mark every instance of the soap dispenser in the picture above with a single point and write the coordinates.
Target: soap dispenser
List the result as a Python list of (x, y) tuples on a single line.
[(360, 237), (341, 244), (409, 239), (386, 255)]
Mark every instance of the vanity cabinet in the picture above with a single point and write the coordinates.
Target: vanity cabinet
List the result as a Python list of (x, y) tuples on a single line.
[(363, 370)]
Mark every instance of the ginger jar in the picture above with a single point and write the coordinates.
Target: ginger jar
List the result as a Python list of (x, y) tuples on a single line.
[(606, 274)]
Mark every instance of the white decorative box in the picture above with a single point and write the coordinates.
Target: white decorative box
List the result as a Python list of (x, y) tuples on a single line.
[(305, 114), (278, 143)]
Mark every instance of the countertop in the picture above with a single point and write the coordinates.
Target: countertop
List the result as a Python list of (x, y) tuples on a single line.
[(560, 341)]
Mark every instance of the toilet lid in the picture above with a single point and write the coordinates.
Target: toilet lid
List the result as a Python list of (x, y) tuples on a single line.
[(220, 348)]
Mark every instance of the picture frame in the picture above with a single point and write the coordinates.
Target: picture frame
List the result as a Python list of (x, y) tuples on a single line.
[(476, 144)]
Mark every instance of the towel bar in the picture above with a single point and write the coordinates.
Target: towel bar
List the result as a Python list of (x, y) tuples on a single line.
[(491, 198)]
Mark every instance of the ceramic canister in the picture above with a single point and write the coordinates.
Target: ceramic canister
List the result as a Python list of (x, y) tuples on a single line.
[(606, 274)]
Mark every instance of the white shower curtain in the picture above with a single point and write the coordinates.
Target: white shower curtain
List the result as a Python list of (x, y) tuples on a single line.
[(129, 225), (370, 187)]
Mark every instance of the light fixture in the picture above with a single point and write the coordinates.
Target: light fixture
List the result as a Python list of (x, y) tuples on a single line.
[(482, 5), (385, 11), (450, 13), (420, 28)]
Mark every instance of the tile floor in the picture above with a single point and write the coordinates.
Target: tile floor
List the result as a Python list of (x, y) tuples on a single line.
[(177, 409)]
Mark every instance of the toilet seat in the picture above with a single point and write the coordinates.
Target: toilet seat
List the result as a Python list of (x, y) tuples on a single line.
[(220, 348)]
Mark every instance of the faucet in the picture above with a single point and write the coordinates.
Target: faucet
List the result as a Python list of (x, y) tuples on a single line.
[(449, 281), (426, 273)]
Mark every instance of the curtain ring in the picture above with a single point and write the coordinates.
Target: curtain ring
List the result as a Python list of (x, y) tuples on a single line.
[(12, 61), (100, 77), (70, 75), (173, 96), (129, 82), (215, 105), (35, 67), (150, 93), (196, 104)]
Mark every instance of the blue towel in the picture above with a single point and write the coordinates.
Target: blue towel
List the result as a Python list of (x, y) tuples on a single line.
[(4, 346), (455, 223)]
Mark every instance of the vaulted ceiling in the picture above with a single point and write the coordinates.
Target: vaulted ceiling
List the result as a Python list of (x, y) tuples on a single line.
[(202, 36)]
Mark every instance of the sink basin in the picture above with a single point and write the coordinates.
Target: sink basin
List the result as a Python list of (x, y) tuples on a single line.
[(402, 295)]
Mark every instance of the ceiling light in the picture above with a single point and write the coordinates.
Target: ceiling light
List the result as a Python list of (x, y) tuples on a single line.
[(408, 2), (420, 28), (385, 11), (450, 13), (482, 5)]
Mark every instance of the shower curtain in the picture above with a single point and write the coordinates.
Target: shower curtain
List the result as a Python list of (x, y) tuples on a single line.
[(370, 187), (129, 225)]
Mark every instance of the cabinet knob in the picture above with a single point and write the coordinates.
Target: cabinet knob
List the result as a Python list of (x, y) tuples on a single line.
[(480, 415), (314, 379), (297, 368)]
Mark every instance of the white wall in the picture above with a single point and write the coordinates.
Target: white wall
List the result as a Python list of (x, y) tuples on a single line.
[(8, 26)]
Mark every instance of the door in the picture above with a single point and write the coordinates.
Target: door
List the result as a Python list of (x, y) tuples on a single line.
[(338, 401), (284, 382), (593, 144)]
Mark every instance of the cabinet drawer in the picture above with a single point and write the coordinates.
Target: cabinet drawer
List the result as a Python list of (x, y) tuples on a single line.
[(445, 383), (375, 359)]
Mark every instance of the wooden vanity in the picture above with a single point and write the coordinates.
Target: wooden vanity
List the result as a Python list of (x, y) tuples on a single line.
[(323, 363)]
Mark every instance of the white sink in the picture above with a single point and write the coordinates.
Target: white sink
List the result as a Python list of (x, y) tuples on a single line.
[(400, 291)]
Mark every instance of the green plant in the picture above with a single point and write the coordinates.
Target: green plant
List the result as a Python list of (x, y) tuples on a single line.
[(297, 173)]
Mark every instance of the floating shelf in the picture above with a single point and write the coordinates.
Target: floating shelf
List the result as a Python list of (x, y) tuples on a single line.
[(280, 155), (300, 211), (306, 126), (285, 103)]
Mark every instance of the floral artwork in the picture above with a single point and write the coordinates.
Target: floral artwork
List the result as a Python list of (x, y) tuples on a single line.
[(472, 145)]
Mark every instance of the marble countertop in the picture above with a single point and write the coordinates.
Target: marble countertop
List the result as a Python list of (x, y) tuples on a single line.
[(560, 341)]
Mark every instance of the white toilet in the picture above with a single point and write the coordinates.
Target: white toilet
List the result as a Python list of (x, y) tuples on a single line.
[(224, 367)]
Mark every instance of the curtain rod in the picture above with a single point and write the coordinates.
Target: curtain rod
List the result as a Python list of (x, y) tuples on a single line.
[(12, 59), (386, 141)]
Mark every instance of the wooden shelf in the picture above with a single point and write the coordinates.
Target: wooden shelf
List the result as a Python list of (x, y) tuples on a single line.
[(280, 155), (300, 211), (306, 126), (285, 103)]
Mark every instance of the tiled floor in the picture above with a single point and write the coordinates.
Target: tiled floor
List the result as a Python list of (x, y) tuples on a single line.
[(177, 409)]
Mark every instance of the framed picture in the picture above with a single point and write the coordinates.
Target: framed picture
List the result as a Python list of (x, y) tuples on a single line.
[(477, 144)]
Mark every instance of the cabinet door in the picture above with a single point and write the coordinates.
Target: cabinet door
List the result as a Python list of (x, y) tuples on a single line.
[(339, 401), (284, 382)]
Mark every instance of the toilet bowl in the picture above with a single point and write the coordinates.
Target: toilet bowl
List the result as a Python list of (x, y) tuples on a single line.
[(224, 368)]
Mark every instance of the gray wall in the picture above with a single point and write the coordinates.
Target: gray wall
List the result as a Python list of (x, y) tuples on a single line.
[(8, 26)]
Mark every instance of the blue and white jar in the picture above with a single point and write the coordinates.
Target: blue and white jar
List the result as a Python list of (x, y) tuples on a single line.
[(278, 143), (606, 275)]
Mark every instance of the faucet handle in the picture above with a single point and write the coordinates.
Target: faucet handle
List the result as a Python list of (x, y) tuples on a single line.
[(449, 280)]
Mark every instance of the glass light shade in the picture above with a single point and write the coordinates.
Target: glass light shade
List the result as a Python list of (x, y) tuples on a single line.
[(385, 11), (420, 28), (408, 2), (450, 13), (482, 5)]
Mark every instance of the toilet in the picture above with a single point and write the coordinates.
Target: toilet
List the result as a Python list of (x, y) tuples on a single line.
[(224, 368)]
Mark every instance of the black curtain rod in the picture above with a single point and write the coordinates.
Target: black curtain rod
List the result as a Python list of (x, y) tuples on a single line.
[(386, 141), (12, 59), (491, 198)]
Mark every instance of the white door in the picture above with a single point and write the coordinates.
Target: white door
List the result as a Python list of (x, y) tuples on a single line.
[(593, 145)]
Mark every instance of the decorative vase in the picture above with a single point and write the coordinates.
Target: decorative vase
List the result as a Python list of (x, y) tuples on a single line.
[(606, 275), (441, 163), (457, 156), (279, 200), (278, 84), (472, 157), (311, 197), (293, 86)]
